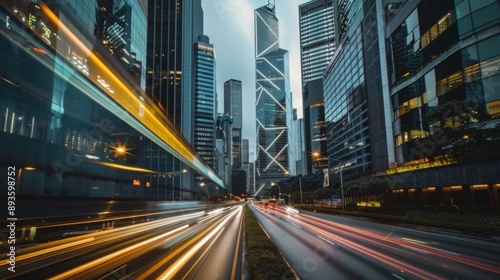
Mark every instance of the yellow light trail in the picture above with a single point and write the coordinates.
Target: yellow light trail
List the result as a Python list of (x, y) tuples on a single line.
[(158, 127), (116, 254), (51, 249), (168, 274)]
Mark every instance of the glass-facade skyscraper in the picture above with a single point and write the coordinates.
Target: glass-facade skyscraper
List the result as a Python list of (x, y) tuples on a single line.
[(173, 30), (273, 98), (426, 74), (204, 100), (317, 38), (74, 114), (317, 45), (359, 130), (233, 107)]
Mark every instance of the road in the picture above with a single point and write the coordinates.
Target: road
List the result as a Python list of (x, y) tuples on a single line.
[(195, 245), (320, 246)]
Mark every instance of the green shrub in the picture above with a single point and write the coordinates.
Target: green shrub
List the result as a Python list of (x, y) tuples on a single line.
[(264, 259)]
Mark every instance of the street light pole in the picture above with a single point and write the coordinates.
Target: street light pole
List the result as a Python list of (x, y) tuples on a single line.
[(300, 187), (341, 180), (342, 187)]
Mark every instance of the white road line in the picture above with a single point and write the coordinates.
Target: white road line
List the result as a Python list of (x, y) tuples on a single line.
[(326, 240), (295, 225), (414, 249), (434, 248), (397, 276)]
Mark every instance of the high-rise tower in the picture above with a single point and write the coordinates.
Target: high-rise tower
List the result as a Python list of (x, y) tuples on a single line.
[(317, 38), (317, 45), (173, 30), (204, 100), (273, 98), (233, 107)]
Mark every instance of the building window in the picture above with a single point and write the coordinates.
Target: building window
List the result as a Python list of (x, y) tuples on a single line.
[(437, 29), (451, 82)]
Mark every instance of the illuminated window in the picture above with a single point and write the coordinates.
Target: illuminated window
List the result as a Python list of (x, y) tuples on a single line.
[(418, 134), (472, 73), (437, 29), (451, 82), (399, 140), (490, 67), (482, 187)]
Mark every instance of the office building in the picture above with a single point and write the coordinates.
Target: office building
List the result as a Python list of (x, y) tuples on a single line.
[(317, 45), (359, 133), (224, 140), (204, 100), (273, 98), (173, 30), (443, 78), (75, 119), (317, 38), (233, 107)]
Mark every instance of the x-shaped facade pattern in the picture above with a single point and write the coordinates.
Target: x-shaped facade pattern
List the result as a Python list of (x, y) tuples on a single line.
[(272, 88)]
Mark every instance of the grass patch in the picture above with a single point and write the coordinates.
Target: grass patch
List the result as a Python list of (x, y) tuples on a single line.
[(264, 259)]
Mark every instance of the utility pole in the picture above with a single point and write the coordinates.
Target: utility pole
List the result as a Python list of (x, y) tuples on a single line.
[(300, 187)]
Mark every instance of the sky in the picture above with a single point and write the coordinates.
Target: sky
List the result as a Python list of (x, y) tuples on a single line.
[(230, 26)]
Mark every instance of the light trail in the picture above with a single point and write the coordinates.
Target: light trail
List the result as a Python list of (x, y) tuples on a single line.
[(118, 254), (140, 112), (183, 260), (327, 228), (67, 245)]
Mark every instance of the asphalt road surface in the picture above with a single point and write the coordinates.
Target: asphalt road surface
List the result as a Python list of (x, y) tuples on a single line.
[(320, 246), (194, 245)]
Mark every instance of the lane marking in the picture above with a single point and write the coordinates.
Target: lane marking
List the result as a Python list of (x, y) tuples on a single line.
[(295, 225), (414, 249), (397, 276), (326, 240), (434, 248)]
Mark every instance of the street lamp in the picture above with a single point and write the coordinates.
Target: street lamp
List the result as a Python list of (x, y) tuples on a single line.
[(279, 188), (341, 180), (300, 188)]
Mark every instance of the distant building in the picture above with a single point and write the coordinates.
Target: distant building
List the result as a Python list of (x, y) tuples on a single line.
[(239, 178), (233, 107), (204, 103), (224, 143)]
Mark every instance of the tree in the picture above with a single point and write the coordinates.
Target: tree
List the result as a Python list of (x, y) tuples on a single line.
[(462, 133), (365, 187)]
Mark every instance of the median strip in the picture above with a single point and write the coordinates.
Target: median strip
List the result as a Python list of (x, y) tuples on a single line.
[(264, 259)]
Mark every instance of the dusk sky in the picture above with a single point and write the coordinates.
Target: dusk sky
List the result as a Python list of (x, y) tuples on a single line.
[(230, 26)]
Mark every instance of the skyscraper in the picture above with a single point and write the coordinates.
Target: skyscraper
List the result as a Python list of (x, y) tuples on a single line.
[(273, 98), (357, 133), (317, 45), (74, 110), (204, 100), (345, 96), (173, 30), (233, 107), (317, 38)]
